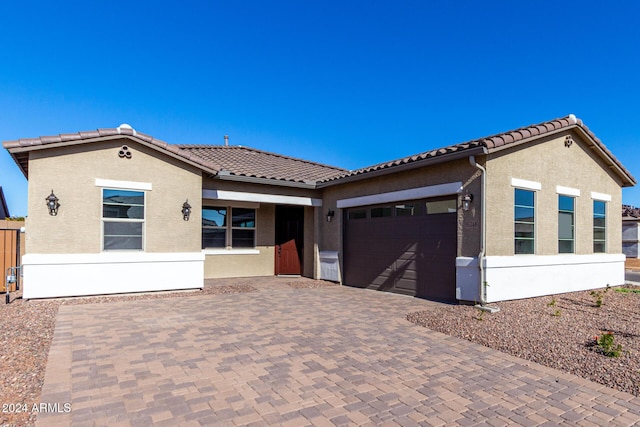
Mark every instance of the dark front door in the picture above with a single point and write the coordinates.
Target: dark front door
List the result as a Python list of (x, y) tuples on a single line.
[(289, 239)]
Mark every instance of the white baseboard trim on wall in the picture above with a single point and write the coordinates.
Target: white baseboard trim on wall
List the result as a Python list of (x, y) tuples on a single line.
[(64, 275)]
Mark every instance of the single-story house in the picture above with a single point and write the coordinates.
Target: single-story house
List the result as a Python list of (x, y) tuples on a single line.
[(631, 231), (529, 212)]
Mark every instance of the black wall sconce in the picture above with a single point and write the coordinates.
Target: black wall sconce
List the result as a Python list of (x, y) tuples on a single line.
[(466, 201), (330, 215), (52, 204), (186, 210)]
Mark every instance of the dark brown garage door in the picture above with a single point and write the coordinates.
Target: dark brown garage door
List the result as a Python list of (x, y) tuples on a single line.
[(407, 247)]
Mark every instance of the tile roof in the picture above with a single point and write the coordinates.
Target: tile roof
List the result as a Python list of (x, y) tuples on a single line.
[(629, 211), (249, 162), (498, 142), (19, 148), (245, 161)]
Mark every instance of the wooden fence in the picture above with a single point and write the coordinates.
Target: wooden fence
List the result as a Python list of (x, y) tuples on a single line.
[(11, 248)]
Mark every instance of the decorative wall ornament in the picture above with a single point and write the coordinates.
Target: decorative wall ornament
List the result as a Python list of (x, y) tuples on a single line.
[(568, 140), (124, 152)]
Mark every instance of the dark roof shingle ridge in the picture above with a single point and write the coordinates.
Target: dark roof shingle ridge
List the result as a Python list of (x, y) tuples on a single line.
[(269, 153)]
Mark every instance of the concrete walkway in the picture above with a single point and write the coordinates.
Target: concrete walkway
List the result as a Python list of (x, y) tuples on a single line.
[(287, 356)]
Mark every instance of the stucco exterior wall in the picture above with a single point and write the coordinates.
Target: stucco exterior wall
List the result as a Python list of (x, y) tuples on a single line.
[(72, 171), (550, 163), (469, 223)]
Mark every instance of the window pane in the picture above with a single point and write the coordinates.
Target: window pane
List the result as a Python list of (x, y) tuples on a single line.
[(406, 209), (524, 214), (122, 235), (122, 228), (565, 225), (381, 212), (357, 214), (441, 206), (565, 203), (122, 242), (245, 218), (599, 234), (524, 246), (214, 217), (524, 197), (599, 222), (524, 230), (242, 238), (598, 247), (122, 204), (214, 238), (565, 246), (599, 208)]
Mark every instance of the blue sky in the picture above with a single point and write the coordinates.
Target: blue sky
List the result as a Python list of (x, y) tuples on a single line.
[(347, 83)]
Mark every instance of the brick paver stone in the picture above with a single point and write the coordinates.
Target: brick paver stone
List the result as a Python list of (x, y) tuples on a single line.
[(298, 356)]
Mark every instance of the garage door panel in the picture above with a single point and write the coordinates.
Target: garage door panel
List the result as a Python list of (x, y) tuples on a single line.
[(408, 254)]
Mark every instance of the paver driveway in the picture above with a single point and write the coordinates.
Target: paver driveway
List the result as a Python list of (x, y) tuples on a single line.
[(326, 356)]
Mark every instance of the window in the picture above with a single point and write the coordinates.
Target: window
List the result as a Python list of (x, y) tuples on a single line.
[(122, 219), (219, 232), (524, 221), (441, 206), (566, 224), (243, 228), (406, 209), (599, 226), (357, 214), (214, 227), (381, 212)]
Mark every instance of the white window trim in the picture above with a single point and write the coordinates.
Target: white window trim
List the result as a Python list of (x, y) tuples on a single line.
[(601, 196), (525, 184), (221, 251), (123, 185), (567, 191), (143, 221)]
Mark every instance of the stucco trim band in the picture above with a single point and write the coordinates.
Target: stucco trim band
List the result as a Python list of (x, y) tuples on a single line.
[(527, 276), (126, 185), (600, 196), (567, 191), (527, 185), (396, 196), (63, 275), (260, 198)]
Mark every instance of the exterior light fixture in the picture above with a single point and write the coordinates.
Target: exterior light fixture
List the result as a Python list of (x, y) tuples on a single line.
[(330, 215), (186, 210), (52, 204), (466, 201)]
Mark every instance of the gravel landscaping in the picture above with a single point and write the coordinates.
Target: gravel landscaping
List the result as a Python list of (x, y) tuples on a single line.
[(556, 331)]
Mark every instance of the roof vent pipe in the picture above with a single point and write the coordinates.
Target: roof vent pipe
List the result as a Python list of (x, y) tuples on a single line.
[(226, 140)]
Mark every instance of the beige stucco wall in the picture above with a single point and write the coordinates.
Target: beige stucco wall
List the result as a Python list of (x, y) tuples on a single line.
[(552, 164), (458, 170), (71, 173)]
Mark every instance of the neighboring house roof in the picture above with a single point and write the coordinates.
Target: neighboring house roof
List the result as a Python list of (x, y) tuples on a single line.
[(630, 212), (4, 209), (245, 161), (232, 161), (502, 141)]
